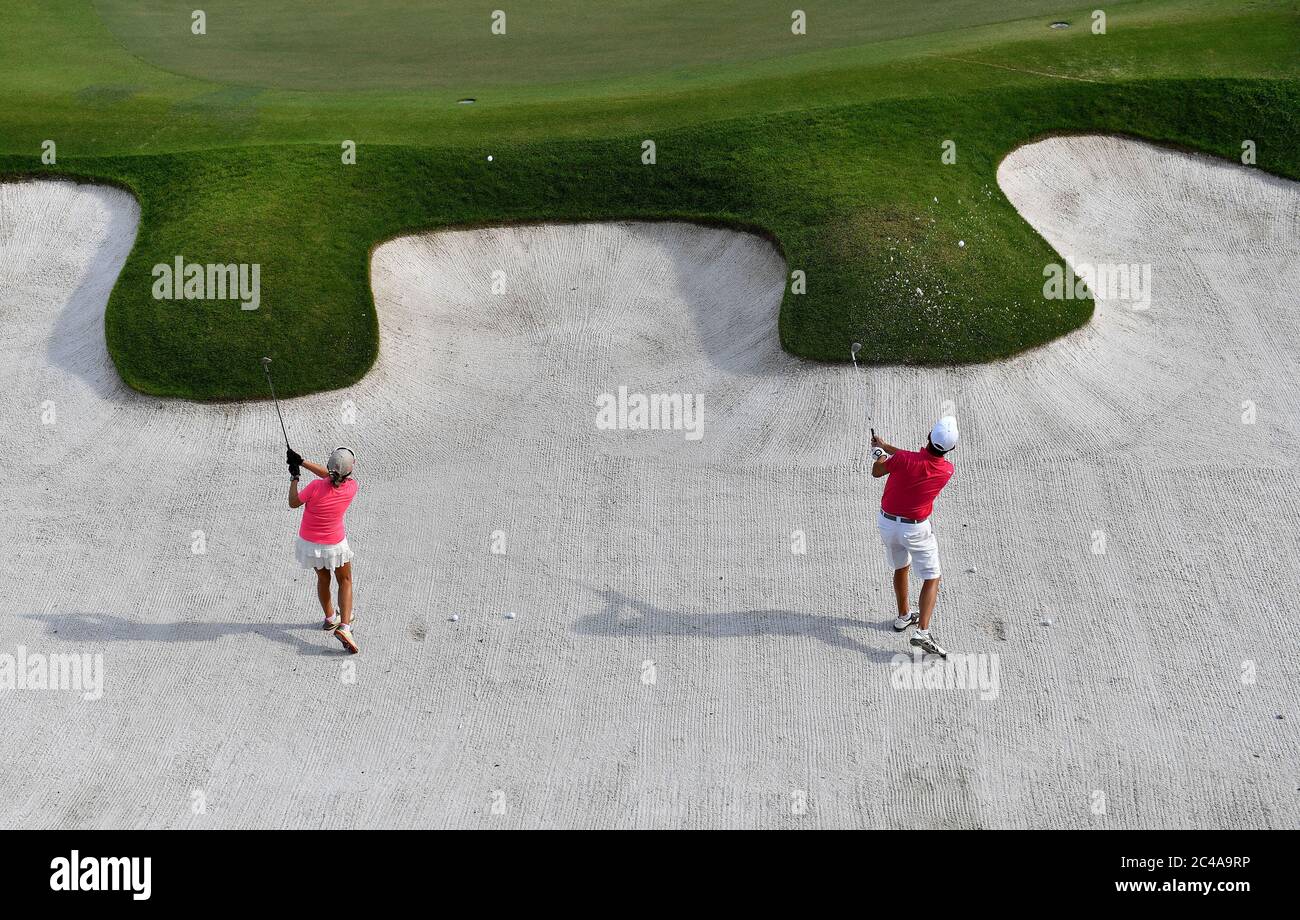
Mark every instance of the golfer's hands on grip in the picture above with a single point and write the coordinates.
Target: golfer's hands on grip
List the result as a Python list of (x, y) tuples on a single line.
[(294, 459)]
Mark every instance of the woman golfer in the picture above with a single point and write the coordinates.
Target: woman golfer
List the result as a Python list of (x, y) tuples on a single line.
[(322, 541)]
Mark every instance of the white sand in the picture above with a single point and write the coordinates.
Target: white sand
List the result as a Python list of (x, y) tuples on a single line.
[(772, 670)]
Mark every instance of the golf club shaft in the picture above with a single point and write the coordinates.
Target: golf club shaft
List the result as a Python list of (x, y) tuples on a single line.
[(276, 399), (853, 353)]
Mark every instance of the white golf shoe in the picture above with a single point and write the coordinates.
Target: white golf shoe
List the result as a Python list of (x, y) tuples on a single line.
[(926, 643), (901, 623)]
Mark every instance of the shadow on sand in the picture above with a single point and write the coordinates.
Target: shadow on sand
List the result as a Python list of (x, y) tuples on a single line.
[(104, 627), (623, 616)]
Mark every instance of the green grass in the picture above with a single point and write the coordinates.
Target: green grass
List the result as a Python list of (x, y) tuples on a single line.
[(833, 153), (398, 44)]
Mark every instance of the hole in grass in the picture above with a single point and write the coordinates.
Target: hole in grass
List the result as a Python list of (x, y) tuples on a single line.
[(1059, 24), (469, 100)]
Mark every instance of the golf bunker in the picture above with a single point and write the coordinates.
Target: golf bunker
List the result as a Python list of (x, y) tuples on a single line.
[(672, 661)]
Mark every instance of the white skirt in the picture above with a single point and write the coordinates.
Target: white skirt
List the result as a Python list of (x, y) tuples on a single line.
[(323, 555)]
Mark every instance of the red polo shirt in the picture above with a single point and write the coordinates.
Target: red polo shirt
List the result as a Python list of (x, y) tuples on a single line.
[(915, 478)]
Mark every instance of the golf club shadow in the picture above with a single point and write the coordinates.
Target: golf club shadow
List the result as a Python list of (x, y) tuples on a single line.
[(623, 615), (105, 627)]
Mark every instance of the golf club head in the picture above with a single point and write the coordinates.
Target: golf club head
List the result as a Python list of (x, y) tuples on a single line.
[(266, 360), (853, 352)]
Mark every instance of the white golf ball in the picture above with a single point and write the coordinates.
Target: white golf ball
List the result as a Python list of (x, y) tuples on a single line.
[(510, 615), (489, 158), (961, 244), (455, 617)]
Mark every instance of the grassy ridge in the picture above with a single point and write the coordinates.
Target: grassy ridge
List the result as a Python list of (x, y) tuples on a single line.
[(833, 153), (847, 191)]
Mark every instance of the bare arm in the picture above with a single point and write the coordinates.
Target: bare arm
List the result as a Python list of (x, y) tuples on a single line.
[(295, 461), (878, 468), (878, 441)]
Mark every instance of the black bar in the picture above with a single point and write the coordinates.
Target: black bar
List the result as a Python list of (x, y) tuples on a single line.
[(337, 869)]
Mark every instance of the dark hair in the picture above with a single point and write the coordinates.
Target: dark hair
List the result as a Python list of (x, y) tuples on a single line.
[(929, 445)]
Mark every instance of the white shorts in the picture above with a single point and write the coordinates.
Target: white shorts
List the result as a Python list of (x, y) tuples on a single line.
[(910, 544), (323, 555)]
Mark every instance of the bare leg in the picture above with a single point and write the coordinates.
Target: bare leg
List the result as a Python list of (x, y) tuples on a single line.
[(900, 588), (323, 591), (344, 575), (929, 594)]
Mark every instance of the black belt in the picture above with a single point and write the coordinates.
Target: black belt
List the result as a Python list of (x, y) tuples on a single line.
[(903, 520)]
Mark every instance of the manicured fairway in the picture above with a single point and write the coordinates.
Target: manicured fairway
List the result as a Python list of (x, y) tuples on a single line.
[(399, 44), (835, 154)]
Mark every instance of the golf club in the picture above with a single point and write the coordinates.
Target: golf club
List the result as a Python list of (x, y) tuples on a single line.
[(266, 366), (853, 353)]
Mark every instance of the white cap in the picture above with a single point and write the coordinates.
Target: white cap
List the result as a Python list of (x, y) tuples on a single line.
[(944, 433), (340, 463)]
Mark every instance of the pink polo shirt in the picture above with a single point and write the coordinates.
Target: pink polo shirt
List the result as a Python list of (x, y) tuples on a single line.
[(322, 516), (915, 478)]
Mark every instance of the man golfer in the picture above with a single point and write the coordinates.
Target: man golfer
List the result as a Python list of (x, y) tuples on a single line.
[(915, 479)]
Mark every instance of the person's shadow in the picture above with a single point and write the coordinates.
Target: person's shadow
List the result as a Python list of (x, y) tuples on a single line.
[(623, 615), (105, 627)]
